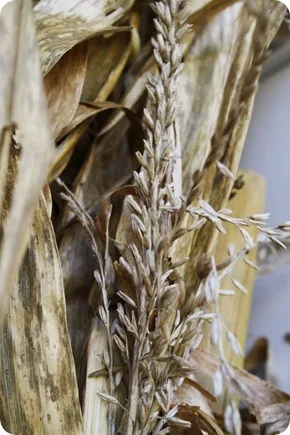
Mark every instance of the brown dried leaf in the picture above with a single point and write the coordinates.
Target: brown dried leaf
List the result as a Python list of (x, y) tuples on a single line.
[(63, 86), (82, 113), (200, 421), (191, 395), (101, 77), (274, 413), (22, 103), (99, 83), (261, 397), (198, 387), (78, 269), (64, 152)]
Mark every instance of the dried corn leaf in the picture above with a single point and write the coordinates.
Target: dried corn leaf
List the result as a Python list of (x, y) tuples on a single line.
[(113, 53), (102, 162), (190, 382), (48, 198), (217, 188), (38, 384), (99, 83), (61, 24), (86, 111), (201, 88), (200, 422), (22, 104), (274, 15), (130, 98), (275, 418), (202, 84), (193, 394), (64, 152), (261, 397), (63, 86), (202, 10)]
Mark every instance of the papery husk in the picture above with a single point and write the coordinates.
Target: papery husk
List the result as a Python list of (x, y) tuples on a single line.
[(191, 393), (38, 383)]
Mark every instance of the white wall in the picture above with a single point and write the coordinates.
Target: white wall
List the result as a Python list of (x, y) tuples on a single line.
[(267, 151)]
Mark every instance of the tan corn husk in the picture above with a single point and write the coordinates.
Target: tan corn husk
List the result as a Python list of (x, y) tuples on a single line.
[(38, 383)]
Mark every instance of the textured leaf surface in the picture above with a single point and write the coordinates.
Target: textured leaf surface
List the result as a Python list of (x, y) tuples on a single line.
[(22, 104), (63, 86), (62, 24), (38, 384)]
